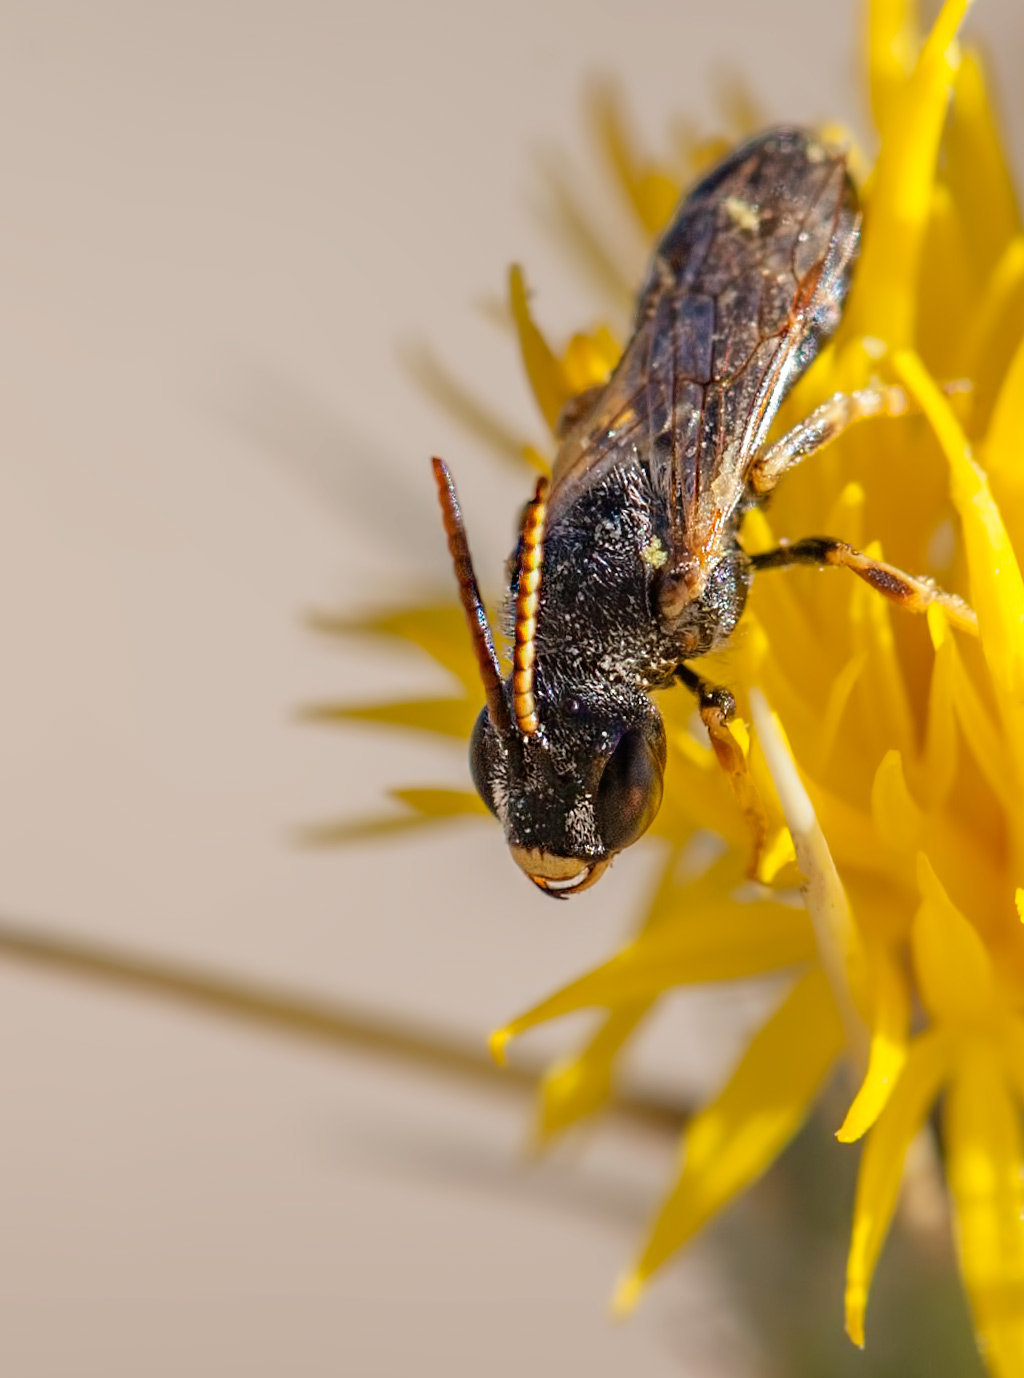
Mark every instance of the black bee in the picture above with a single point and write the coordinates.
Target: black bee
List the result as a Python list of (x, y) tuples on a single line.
[(629, 564)]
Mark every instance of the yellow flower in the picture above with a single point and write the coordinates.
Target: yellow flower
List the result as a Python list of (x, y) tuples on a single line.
[(895, 744)]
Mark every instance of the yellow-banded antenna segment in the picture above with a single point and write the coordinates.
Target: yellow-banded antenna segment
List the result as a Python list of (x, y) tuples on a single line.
[(531, 560)]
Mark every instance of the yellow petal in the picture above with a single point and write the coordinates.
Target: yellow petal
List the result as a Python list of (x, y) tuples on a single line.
[(891, 717), (996, 332), (429, 806), (898, 819), (735, 1138), (716, 943), (441, 803), (985, 1166), (940, 731), (651, 192), (438, 629), (976, 169), (1012, 1031), (589, 359), (546, 376), (577, 1086), (997, 589), (885, 290), (890, 1022), (1004, 443), (840, 693), (893, 41), (881, 1168), (447, 717), (949, 286), (972, 715), (953, 970)]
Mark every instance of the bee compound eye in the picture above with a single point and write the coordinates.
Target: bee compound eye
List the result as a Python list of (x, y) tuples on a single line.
[(482, 752), (629, 795)]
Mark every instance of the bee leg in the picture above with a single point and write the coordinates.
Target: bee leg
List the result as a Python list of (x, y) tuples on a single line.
[(825, 423), (716, 707), (911, 593)]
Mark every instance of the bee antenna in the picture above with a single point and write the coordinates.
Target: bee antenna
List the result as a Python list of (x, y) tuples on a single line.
[(469, 596), (531, 560)]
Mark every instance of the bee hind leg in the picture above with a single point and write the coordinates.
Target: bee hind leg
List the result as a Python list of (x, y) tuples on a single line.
[(716, 707), (911, 593), (823, 425), (828, 421)]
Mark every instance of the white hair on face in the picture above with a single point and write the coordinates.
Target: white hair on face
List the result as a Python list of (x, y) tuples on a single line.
[(581, 825), (499, 794)]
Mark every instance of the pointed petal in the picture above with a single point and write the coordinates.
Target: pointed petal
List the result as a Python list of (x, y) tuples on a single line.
[(1013, 1033), (718, 943), (589, 359), (1005, 440), (428, 806), (971, 712), (898, 819), (578, 1086), (442, 803), (446, 717), (940, 744), (886, 284), (735, 1138), (890, 1024), (881, 1168), (893, 42), (650, 191), (985, 1167), (439, 629), (996, 332), (953, 970), (976, 169), (948, 289), (997, 589), (546, 376)]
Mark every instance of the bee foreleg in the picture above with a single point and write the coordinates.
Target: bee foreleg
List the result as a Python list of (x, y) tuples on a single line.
[(910, 592), (823, 425), (716, 707)]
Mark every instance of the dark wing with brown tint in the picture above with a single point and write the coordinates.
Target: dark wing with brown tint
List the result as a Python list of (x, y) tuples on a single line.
[(745, 286)]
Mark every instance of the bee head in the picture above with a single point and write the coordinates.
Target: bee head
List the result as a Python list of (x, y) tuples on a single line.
[(573, 774), (582, 787)]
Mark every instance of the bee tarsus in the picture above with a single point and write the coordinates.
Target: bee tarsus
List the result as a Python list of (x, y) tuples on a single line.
[(717, 707), (914, 594)]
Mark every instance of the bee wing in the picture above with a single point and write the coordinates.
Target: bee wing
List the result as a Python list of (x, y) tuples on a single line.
[(745, 286)]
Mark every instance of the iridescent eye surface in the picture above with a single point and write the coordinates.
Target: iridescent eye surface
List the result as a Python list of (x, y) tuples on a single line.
[(629, 794), (482, 746)]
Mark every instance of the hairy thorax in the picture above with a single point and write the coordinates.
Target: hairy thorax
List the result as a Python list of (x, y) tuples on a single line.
[(605, 565)]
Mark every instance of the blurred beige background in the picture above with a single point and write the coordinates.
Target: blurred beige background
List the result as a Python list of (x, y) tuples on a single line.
[(221, 222)]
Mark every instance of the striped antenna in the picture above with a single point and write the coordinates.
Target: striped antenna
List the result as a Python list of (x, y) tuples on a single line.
[(531, 560), (469, 596)]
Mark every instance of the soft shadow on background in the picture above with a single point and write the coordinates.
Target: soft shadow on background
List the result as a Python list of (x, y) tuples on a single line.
[(225, 226)]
